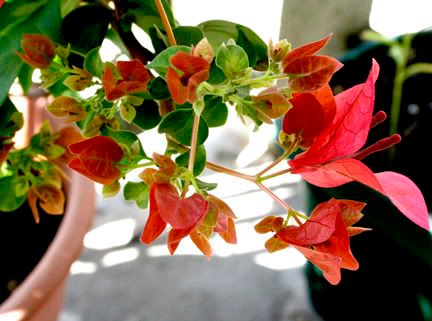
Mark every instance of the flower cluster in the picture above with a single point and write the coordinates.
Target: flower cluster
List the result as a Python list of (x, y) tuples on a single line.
[(198, 75)]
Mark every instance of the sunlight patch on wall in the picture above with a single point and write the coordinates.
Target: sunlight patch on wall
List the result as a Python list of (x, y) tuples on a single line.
[(81, 267), (109, 235), (119, 257), (282, 260)]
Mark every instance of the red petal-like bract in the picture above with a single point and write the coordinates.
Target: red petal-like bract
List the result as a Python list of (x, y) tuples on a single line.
[(350, 127), (134, 79), (96, 159), (178, 212), (310, 73), (403, 193), (194, 71), (324, 238), (310, 115), (305, 50), (155, 225)]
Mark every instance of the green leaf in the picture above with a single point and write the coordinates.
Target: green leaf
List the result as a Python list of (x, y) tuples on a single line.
[(9, 201), (220, 31), (200, 160), (215, 111), (124, 137), (188, 36), (158, 88), (21, 186), (17, 18), (25, 77), (254, 46), (10, 119), (216, 74), (138, 192), (127, 112), (233, 60), (178, 124), (147, 115), (161, 62), (85, 27), (204, 186), (93, 63)]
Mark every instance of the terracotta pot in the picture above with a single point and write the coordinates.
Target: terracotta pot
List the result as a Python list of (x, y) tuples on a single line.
[(40, 296)]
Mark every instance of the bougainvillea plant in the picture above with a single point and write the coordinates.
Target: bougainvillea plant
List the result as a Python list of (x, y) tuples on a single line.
[(194, 77)]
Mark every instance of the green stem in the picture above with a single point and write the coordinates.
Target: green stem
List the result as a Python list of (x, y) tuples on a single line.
[(192, 151), (263, 79)]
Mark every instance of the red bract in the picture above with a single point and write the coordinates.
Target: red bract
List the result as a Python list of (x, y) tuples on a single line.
[(193, 71), (333, 158), (134, 79), (324, 238), (4, 148), (310, 115), (167, 207), (307, 71), (39, 51), (96, 159)]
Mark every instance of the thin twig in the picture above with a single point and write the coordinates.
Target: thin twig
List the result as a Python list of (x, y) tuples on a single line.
[(228, 171), (166, 23)]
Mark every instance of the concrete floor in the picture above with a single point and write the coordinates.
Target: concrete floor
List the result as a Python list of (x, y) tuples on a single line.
[(119, 279)]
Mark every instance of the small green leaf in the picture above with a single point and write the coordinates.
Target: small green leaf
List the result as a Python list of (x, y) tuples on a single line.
[(204, 186), (21, 186), (93, 63), (127, 112), (138, 192), (178, 124), (9, 201), (10, 119), (200, 160), (220, 31), (124, 137), (147, 115), (111, 190), (215, 111), (158, 88), (233, 60), (188, 36), (161, 62)]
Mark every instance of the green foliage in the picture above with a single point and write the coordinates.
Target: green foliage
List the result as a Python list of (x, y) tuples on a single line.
[(179, 124), (147, 115), (126, 138), (158, 89), (188, 36), (161, 62), (21, 17), (9, 200), (215, 112), (233, 60), (82, 30), (200, 160), (138, 192), (10, 119), (220, 31), (93, 63)]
